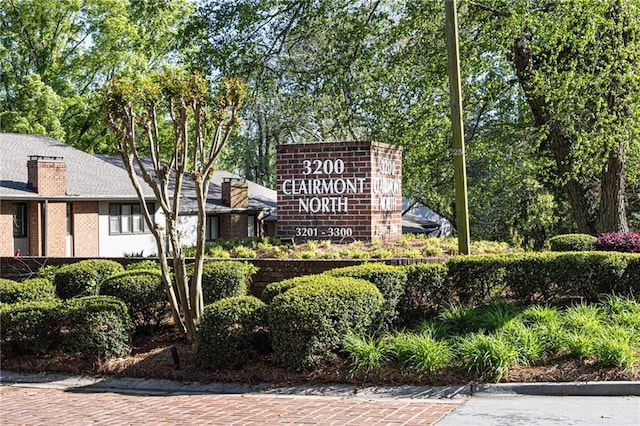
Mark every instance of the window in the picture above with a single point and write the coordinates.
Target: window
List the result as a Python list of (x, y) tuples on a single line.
[(213, 228), (251, 226), (128, 219), (19, 220)]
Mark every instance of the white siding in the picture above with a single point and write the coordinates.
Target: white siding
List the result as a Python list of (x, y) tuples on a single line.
[(121, 245)]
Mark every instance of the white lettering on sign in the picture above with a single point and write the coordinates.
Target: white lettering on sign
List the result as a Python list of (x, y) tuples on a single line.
[(386, 186), (323, 205), (318, 167), (387, 166), (323, 186), (388, 204)]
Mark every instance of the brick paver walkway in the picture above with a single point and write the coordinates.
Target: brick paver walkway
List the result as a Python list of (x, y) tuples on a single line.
[(46, 406)]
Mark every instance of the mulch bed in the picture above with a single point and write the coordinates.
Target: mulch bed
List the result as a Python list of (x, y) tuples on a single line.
[(152, 357)]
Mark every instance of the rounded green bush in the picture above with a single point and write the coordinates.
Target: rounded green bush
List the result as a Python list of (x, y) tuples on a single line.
[(31, 289), (30, 326), (84, 278), (222, 278), (230, 332), (307, 322), (572, 242), (144, 293), (390, 280), (274, 289), (98, 327)]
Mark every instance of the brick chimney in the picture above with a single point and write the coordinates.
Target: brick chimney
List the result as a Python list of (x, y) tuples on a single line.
[(47, 175), (235, 193)]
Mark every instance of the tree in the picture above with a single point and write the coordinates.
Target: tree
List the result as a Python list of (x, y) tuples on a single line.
[(138, 112), (576, 63), (61, 51)]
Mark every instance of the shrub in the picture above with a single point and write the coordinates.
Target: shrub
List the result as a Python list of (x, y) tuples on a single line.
[(274, 289), (143, 292), (98, 327), (224, 278), (144, 265), (425, 293), (307, 322), (619, 241), (230, 332), (572, 242), (615, 347), (84, 278), (496, 314), (48, 272), (477, 279), (32, 289), (30, 326), (390, 280)]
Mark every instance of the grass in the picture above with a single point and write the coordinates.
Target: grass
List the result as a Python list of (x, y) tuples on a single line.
[(489, 341)]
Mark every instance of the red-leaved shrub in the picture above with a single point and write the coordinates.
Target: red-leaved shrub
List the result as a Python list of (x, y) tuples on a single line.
[(619, 241)]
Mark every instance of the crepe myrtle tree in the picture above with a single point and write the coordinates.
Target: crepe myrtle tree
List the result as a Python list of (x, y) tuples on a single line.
[(169, 127)]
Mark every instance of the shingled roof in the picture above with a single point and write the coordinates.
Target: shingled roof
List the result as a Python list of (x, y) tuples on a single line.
[(261, 198), (88, 177)]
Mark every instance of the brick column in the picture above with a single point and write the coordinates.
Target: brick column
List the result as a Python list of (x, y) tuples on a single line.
[(341, 191)]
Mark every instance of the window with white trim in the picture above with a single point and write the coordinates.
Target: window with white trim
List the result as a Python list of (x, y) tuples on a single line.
[(128, 218), (251, 225)]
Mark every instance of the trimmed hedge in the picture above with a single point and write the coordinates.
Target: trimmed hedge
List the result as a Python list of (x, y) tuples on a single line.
[(98, 327), (222, 279), (144, 293), (31, 326), (572, 242), (307, 322), (32, 289), (274, 289), (550, 277), (390, 280), (84, 278), (426, 292), (230, 332)]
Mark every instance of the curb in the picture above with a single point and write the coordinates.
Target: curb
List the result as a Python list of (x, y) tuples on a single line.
[(169, 387)]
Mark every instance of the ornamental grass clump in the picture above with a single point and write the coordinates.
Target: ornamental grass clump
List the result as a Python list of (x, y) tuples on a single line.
[(487, 356), (421, 352), (616, 347), (365, 353), (460, 319)]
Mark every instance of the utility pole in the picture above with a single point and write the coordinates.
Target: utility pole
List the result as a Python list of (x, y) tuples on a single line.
[(459, 168)]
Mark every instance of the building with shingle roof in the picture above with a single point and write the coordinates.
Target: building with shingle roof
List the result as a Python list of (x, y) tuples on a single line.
[(58, 201)]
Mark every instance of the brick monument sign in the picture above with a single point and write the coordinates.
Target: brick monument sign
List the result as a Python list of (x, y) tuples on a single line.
[(339, 191)]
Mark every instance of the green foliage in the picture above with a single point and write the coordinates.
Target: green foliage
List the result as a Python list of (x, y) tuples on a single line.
[(230, 332), (477, 279), (496, 314), (144, 265), (30, 326), (365, 353), (32, 289), (98, 327), (84, 278), (243, 252), (460, 319), (616, 347), (48, 272), (528, 342), (307, 322), (143, 292), (390, 280), (421, 352), (222, 278), (572, 242), (488, 356), (274, 289), (425, 293)]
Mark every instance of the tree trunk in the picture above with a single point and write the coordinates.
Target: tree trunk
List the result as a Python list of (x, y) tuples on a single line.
[(612, 215)]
